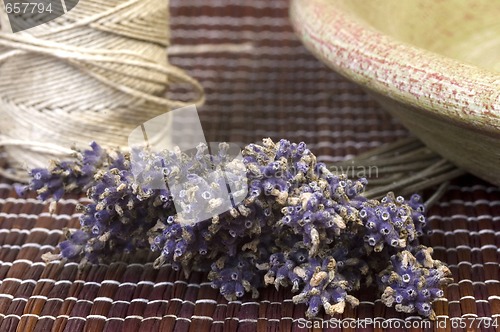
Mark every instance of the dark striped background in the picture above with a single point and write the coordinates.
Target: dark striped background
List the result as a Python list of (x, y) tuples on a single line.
[(275, 90)]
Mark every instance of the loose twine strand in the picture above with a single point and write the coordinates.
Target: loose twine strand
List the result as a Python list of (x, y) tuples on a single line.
[(95, 73), (404, 167)]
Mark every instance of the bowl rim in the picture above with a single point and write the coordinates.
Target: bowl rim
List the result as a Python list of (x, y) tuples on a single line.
[(464, 94)]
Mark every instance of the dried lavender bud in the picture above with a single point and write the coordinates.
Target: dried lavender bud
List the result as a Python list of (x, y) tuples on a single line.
[(413, 281), (392, 221), (325, 286), (236, 276)]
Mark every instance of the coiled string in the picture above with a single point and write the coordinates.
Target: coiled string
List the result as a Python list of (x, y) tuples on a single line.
[(95, 73)]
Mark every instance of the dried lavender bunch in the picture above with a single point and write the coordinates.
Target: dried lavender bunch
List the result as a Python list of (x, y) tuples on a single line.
[(299, 226)]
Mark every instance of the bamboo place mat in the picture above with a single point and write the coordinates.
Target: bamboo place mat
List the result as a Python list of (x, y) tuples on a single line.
[(274, 89)]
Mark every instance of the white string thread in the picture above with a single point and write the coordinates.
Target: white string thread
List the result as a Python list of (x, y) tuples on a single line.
[(95, 73)]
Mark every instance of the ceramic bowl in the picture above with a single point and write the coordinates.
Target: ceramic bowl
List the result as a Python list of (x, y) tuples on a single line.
[(434, 64)]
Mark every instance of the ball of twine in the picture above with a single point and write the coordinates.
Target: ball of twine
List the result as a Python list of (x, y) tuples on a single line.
[(95, 73)]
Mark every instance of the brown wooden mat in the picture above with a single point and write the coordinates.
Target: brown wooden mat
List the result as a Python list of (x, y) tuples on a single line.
[(275, 90)]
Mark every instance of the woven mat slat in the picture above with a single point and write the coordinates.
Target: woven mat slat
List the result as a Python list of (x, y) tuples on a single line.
[(277, 90)]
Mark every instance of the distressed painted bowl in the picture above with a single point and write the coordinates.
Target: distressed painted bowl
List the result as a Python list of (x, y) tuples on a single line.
[(434, 64)]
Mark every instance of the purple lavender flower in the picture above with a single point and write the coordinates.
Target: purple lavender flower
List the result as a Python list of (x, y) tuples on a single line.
[(235, 276), (393, 222), (413, 281)]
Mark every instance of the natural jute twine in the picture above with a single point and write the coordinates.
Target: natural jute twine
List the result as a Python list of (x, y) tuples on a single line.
[(95, 73)]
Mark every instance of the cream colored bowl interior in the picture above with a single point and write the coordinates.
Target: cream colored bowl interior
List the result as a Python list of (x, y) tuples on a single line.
[(466, 30)]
